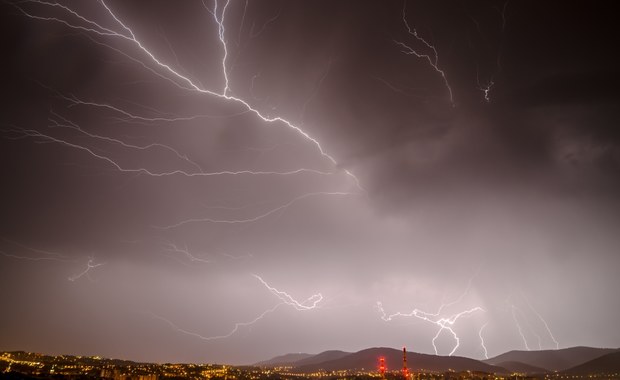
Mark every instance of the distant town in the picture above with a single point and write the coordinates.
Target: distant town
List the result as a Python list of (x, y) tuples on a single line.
[(27, 365)]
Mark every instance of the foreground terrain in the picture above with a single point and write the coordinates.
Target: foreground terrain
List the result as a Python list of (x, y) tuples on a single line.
[(570, 363)]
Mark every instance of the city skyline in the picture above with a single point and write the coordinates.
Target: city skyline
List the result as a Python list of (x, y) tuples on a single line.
[(228, 181)]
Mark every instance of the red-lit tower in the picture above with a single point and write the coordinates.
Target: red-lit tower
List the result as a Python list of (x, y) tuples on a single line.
[(405, 369), (382, 367)]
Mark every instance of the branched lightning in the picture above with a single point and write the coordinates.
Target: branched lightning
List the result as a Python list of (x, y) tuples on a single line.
[(37, 134), (101, 34), (128, 35), (255, 218), (49, 256), (433, 59), (74, 126), (30, 258), (43, 255), (486, 88), (286, 299), (444, 323), (133, 117), (90, 265), (216, 337), (308, 304)]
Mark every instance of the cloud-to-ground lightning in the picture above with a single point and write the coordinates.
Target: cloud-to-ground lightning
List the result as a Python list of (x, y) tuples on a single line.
[(519, 329), (532, 330), (433, 59), (285, 299), (438, 318), (527, 301), (484, 347), (444, 322), (90, 265), (137, 52)]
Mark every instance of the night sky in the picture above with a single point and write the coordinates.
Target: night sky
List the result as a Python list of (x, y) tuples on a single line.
[(457, 162)]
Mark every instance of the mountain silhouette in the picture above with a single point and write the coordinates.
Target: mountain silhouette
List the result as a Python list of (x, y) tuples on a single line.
[(369, 359), (283, 360), (552, 360), (608, 364)]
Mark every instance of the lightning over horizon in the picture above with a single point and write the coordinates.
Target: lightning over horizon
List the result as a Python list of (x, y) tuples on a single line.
[(262, 178), (445, 322)]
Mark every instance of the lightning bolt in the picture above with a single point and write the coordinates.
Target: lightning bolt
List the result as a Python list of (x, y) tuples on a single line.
[(242, 23), (216, 337), (171, 247), (246, 256), (37, 134), (309, 304), (486, 88), (529, 326), (182, 81), (484, 347), (444, 323), (74, 126), (285, 298), (140, 118), (90, 265), (432, 59), (314, 92), (255, 218), (43, 255), (519, 329), (49, 256), (150, 62), (527, 301), (262, 29), (30, 258)]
